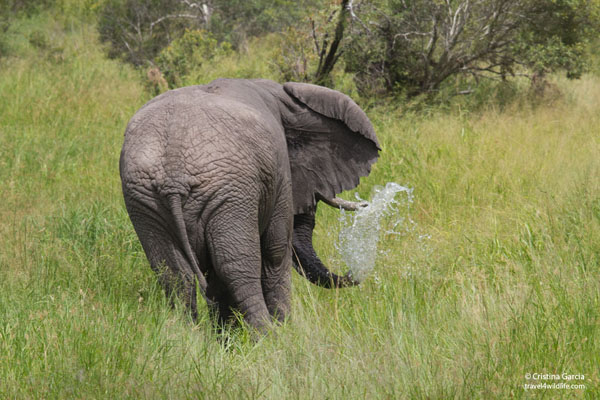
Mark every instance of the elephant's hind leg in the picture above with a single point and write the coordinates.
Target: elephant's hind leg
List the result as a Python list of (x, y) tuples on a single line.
[(234, 244), (220, 300), (276, 260)]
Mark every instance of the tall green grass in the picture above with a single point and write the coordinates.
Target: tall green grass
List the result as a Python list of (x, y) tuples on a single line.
[(498, 277)]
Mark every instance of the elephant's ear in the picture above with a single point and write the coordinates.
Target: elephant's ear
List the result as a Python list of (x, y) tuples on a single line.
[(331, 143)]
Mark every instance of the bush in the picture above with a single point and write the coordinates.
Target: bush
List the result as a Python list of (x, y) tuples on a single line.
[(26, 7), (187, 53), (413, 47), (309, 51), (236, 20), (13, 9), (294, 57), (137, 30)]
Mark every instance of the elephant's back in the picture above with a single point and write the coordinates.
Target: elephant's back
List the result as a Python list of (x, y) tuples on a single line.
[(192, 117), (188, 138)]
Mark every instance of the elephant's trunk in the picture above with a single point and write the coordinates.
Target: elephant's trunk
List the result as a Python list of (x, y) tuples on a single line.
[(305, 259)]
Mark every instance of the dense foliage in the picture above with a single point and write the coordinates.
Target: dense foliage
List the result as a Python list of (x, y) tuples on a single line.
[(13, 9), (310, 49), (187, 53), (389, 46), (23, 7), (237, 20), (137, 30), (415, 46)]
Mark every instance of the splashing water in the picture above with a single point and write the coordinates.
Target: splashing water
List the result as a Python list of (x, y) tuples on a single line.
[(357, 243)]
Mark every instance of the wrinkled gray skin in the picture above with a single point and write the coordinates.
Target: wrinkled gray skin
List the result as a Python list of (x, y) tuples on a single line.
[(221, 183)]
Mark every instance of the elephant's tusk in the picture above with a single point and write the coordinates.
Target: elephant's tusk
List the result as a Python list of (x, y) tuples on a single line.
[(345, 204)]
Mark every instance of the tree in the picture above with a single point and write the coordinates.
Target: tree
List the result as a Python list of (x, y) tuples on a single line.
[(137, 30), (414, 46), (235, 20), (330, 53), (310, 50), (187, 53)]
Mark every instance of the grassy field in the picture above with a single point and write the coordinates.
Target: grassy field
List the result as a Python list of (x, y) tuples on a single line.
[(498, 277)]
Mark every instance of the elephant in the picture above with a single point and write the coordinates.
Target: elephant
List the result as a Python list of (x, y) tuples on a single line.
[(221, 183)]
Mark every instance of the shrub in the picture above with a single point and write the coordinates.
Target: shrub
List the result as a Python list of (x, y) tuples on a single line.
[(187, 53), (137, 30), (13, 9), (310, 50), (26, 7), (294, 57), (413, 47), (236, 20)]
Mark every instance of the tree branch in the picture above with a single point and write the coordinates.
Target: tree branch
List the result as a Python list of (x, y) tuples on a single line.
[(173, 16)]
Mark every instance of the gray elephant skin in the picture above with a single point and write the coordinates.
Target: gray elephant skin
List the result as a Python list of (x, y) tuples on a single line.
[(221, 183)]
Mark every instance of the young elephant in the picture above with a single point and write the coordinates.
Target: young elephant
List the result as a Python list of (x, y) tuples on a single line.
[(221, 183)]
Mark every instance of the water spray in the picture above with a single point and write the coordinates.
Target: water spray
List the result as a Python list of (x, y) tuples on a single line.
[(359, 235)]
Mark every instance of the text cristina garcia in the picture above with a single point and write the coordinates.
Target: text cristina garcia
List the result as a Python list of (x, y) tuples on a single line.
[(555, 377)]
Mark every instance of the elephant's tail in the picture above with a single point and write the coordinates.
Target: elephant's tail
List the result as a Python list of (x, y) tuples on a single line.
[(174, 200)]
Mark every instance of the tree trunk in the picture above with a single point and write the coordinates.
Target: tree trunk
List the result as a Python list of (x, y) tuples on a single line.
[(325, 68)]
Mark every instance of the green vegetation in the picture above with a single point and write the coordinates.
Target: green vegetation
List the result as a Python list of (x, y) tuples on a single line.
[(390, 48), (137, 30), (188, 53), (499, 278), (413, 47)]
